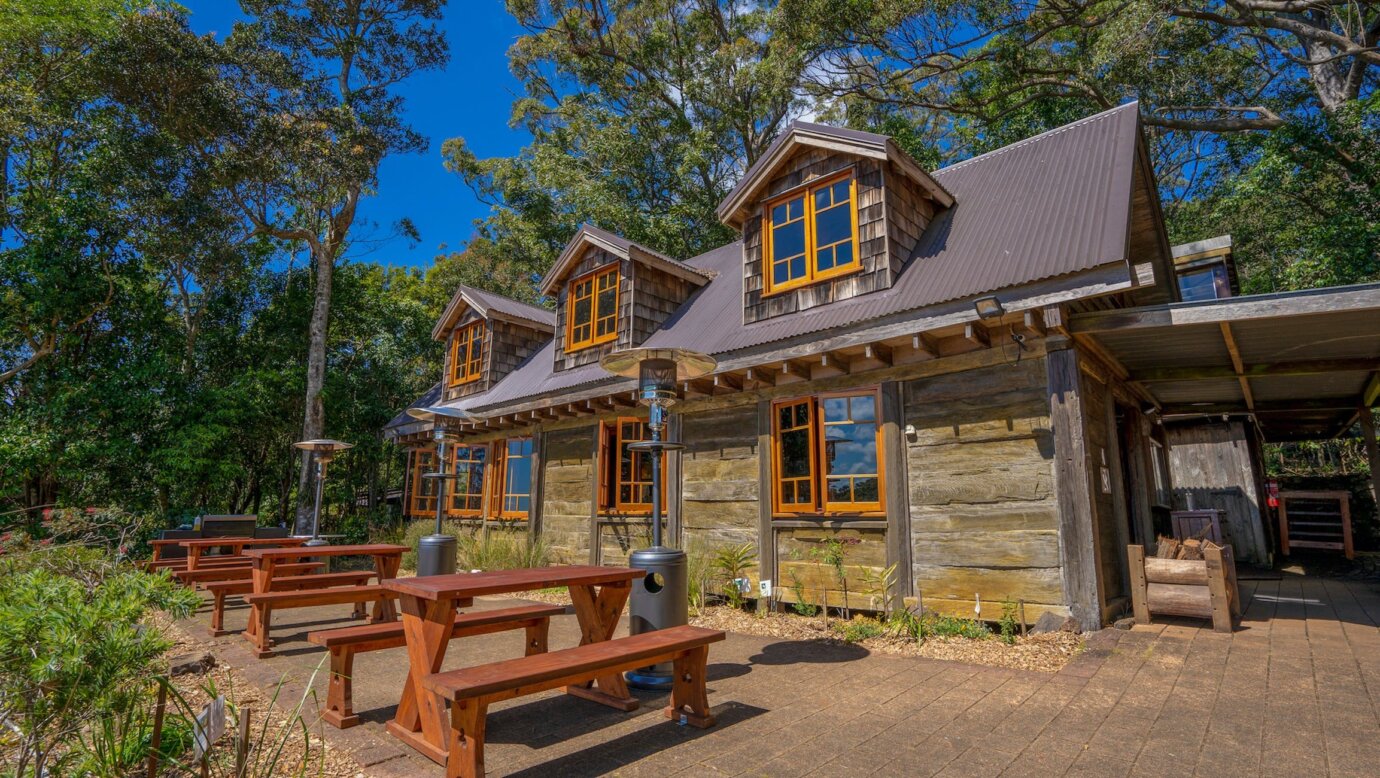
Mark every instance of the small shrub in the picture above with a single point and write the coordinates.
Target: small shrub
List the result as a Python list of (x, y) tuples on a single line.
[(732, 563), (922, 627), (833, 552), (503, 550), (801, 605), (1007, 625), (699, 565), (859, 629)]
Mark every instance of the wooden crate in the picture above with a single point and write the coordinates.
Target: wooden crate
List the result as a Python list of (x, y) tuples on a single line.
[(1199, 588), (1315, 520)]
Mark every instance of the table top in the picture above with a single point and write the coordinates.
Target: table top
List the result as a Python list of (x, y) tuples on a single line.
[(458, 585), (234, 541), (368, 549)]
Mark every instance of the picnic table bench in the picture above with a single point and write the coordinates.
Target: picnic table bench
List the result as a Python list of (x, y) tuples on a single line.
[(472, 689), (242, 572), (345, 642), (429, 607), (197, 547), (263, 599), (290, 581)]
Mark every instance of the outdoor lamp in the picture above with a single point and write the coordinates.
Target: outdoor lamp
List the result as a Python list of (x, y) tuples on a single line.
[(323, 450), (988, 307), (660, 599), (436, 552)]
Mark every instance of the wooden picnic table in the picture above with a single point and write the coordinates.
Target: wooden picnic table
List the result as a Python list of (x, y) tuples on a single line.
[(387, 558), (197, 546), (429, 607)]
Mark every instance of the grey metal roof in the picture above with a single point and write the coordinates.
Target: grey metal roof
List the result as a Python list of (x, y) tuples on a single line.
[(488, 303), (1056, 204), (620, 246), (402, 424)]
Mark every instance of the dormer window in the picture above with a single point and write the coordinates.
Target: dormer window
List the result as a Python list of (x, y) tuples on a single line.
[(811, 233), (593, 308), (467, 354)]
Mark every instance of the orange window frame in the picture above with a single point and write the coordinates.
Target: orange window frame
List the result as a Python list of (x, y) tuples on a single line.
[(467, 354), (500, 494), (602, 325), (819, 504), (611, 481), (457, 489), (812, 274), (421, 503)]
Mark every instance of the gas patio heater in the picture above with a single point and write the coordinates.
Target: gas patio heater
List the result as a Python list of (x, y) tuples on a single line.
[(659, 599), (436, 552), (323, 450)]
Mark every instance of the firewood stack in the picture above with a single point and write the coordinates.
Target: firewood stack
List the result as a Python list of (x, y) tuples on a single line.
[(1188, 548)]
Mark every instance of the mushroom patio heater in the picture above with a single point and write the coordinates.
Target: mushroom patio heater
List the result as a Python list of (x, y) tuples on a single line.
[(323, 450), (659, 599), (436, 552)]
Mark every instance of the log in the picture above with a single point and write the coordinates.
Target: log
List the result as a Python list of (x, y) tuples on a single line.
[(1176, 571), (1179, 600)]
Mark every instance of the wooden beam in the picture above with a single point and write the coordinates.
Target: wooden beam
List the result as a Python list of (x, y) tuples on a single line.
[(977, 334), (1283, 406), (922, 347), (1371, 394), (792, 372), (1233, 309), (727, 383), (759, 378), (828, 366), (875, 356), (1056, 319), (1033, 322), (1073, 486), (700, 387), (1367, 420), (1230, 340), (1303, 367)]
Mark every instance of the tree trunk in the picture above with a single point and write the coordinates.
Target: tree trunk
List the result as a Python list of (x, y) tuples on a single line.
[(314, 423)]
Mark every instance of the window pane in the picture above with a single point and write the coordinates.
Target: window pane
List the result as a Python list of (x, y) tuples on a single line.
[(607, 300), (795, 454), (833, 225), (788, 240), (803, 492), (780, 274), (784, 416), (865, 490), (836, 409), (802, 414), (778, 214), (519, 476), (850, 449), (843, 254), (583, 311), (864, 407), (798, 267), (1209, 283), (839, 490)]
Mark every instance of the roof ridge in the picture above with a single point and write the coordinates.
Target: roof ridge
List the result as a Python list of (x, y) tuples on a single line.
[(1046, 134)]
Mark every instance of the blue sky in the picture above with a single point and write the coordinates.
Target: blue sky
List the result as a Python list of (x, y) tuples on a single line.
[(471, 98)]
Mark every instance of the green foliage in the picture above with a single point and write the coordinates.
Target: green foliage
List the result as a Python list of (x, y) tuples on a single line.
[(881, 587), (801, 605), (859, 628), (499, 549), (732, 563), (699, 568), (71, 649), (922, 627), (833, 552), (1008, 626), (115, 744)]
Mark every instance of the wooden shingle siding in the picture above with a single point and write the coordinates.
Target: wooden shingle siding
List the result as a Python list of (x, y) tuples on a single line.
[(512, 344), (984, 515), (594, 258), (485, 376), (567, 493), (656, 295), (888, 227)]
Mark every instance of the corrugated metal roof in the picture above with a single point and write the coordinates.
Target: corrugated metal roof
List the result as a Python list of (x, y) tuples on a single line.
[(486, 303), (1056, 204), (618, 245)]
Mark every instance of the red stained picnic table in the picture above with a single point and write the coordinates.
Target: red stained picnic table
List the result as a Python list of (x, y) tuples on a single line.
[(196, 547), (387, 559), (428, 612)]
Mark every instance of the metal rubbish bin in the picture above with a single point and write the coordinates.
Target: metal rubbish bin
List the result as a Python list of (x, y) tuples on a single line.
[(436, 555), (660, 599)]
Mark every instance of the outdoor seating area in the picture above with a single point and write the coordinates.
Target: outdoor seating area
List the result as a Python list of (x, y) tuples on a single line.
[(286, 576)]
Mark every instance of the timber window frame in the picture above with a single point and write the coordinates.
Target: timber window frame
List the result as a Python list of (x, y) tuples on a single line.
[(506, 502), (807, 486), (600, 324), (624, 490), (802, 205), (422, 495), (466, 495), (467, 354)]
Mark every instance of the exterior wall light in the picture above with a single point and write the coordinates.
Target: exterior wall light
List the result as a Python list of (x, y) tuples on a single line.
[(988, 307)]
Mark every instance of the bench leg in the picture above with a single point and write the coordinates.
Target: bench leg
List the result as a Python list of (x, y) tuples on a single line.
[(261, 617), (536, 636), (689, 698), (340, 710), (358, 612), (466, 757), (218, 616)]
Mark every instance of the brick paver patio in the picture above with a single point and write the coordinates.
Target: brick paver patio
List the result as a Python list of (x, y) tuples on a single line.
[(1293, 692)]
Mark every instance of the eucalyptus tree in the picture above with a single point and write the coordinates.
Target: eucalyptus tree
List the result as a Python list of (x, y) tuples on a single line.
[(326, 112), (642, 115)]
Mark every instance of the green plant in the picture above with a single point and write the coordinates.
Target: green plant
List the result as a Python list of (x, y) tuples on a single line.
[(503, 549), (699, 565), (859, 629), (920, 627), (833, 552), (71, 652), (732, 563), (881, 585), (116, 743), (1007, 625), (801, 605)]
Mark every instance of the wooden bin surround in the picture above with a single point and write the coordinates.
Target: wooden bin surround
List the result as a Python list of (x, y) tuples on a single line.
[(1200, 588)]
